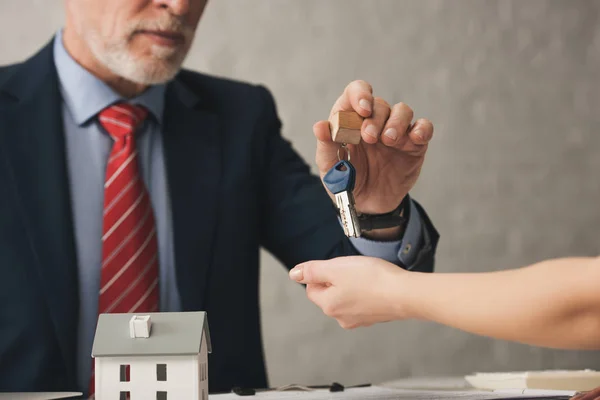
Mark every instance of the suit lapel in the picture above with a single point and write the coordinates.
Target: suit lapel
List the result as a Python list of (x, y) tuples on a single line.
[(193, 163), (32, 132)]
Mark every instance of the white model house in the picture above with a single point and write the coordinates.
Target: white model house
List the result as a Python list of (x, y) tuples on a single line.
[(160, 356)]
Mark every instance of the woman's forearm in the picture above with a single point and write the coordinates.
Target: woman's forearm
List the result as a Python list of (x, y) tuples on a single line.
[(554, 303)]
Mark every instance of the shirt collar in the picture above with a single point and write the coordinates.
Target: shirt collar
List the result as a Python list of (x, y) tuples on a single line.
[(85, 95)]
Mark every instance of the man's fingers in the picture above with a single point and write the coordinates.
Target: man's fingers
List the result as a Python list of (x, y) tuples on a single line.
[(323, 133), (393, 127), (373, 126), (397, 125), (415, 139), (357, 96), (422, 132), (326, 155)]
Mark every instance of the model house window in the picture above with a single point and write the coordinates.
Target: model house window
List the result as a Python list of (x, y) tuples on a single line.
[(124, 395), (161, 372), (161, 395), (124, 373)]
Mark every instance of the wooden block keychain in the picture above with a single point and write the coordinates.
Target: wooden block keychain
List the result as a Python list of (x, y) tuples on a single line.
[(345, 127)]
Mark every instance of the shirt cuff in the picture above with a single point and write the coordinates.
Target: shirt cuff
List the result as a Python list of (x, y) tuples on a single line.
[(403, 251)]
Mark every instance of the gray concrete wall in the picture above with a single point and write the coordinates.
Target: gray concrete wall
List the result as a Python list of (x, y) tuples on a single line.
[(512, 175)]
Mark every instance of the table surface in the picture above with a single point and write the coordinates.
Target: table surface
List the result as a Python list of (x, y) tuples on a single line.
[(430, 383)]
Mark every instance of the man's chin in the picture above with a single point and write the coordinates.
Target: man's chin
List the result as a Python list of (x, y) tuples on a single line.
[(151, 72), (154, 77), (162, 66)]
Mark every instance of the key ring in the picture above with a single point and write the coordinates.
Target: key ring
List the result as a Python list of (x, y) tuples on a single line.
[(343, 146)]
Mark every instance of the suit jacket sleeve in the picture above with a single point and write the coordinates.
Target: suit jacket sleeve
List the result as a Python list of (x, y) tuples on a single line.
[(299, 221)]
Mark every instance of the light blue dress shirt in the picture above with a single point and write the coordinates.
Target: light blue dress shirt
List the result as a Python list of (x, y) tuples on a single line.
[(87, 149)]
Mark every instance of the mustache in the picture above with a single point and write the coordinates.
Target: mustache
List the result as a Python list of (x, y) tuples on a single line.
[(167, 23)]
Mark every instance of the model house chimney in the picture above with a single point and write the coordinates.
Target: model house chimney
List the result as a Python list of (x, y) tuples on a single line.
[(140, 326)]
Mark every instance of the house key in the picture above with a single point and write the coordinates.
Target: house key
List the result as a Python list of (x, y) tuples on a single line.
[(340, 182)]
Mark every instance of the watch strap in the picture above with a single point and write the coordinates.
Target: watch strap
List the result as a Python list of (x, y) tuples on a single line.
[(397, 217)]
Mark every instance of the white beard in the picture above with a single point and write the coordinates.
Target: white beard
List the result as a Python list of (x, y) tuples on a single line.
[(160, 67)]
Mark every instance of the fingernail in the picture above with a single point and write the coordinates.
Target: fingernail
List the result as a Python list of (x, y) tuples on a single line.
[(296, 273), (371, 130), (365, 104), (391, 133), (419, 134)]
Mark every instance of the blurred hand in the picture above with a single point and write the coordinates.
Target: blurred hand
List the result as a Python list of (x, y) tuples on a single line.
[(591, 395), (356, 290), (389, 158)]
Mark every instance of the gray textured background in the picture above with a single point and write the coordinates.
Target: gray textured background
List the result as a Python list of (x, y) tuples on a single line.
[(511, 177)]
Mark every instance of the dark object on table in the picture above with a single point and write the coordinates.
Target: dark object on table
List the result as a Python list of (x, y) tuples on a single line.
[(334, 387)]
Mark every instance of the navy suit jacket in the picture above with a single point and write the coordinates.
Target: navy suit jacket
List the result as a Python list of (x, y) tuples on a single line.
[(233, 179)]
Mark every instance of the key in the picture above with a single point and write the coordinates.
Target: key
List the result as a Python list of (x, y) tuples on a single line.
[(340, 181)]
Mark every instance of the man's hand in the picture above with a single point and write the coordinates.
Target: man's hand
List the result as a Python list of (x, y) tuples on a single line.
[(356, 290), (389, 158)]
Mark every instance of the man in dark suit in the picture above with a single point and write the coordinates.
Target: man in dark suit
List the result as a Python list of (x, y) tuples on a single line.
[(130, 185)]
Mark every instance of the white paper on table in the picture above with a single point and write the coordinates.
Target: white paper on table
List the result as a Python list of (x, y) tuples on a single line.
[(39, 396), (383, 393)]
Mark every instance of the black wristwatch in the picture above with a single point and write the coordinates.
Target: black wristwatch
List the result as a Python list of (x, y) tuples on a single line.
[(398, 217)]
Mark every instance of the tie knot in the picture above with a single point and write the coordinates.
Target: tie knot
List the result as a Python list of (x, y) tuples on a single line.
[(122, 119)]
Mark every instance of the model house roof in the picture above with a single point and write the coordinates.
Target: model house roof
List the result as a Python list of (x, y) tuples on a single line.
[(176, 333)]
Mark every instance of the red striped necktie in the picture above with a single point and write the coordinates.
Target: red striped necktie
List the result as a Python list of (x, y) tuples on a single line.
[(129, 273)]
